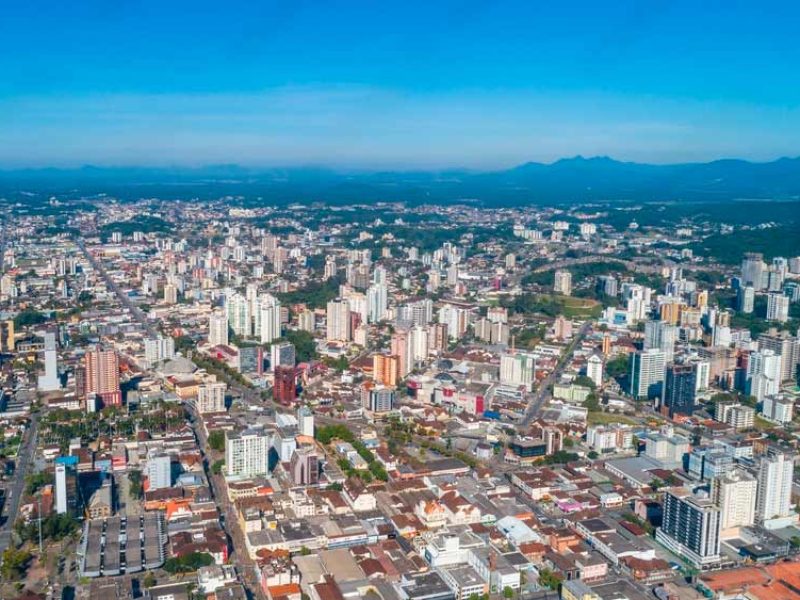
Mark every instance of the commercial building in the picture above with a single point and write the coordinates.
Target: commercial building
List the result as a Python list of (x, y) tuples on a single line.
[(647, 373), (690, 526), (211, 397), (246, 453)]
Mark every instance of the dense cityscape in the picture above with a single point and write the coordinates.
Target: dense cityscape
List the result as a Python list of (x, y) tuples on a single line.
[(228, 400)]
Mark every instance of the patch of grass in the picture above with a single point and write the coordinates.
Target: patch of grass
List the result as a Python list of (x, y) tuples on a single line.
[(602, 418)]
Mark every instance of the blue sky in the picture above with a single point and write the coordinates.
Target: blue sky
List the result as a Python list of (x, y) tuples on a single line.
[(411, 84)]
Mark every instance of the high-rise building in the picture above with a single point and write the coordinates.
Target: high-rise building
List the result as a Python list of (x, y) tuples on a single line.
[(240, 315), (170, 293), (159, 348), (377, 398), (246, 453), (784, 345), (101, 378), (304, 466), (661, 336), (562, 282), (735, 494), (517, 370), (338, 324), (777, 307), (594, 369), (745, 299), (218, 329), (50, 381), (690, 526), (7, 341), (282, 354), (607, 285), (385, 369), (778, 409), (401, 348), (66, 486), (754, 271), (775, 472), (284, 389), (377, 302), (680, 388), (211, 397), (456, 319), (647, 373), (305, 421), (763, 374), (268, 325), (307, 321), (158, 471)]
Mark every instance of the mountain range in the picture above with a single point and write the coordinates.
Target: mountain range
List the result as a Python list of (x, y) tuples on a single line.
[(567, 180)]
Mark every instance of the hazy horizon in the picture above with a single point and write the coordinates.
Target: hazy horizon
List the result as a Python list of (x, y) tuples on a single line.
[(412, 86)]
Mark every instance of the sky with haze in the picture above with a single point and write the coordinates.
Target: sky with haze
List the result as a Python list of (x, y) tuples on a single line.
[(409, 84)]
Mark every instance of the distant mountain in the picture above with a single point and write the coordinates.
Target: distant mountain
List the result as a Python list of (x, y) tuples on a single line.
[(567, 180)]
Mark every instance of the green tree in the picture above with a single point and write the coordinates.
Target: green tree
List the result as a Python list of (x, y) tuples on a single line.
[(217, 467), (15, 563), (135, 487), (216, 439), (508, 592), (188, 563), (548, 578)]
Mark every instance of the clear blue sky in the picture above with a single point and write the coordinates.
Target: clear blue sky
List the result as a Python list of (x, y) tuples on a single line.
[(402, 84)]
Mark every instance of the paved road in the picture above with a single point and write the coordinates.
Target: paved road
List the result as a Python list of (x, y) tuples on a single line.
[(14, 492), (239, 556), (542, 394), (135, 311)]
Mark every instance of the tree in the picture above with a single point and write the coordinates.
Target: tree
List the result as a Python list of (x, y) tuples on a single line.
[(548, 578), (216, 439), (592, 455), (188, 563), (585, 381), (508, 592), (618, 366), (217, 467), (135, 487), (15, 563), (591, 403), (149, 580)]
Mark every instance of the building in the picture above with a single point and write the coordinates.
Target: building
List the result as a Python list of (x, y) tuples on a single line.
[(607, 285), (284, 390), (158, 349), (737, 416), (679, 390), (377, 398), (50, 381), (268, 319), (305, 421), (158, 471), (282, 354), (240, 315), (517, 370), (304, 466), (647, 373), (778, 409), (338, 323), (775, 472), (211, 397), (218, 329), (246, 453), (735, 494), (7, 340), (101, 378), (745, 299), (377, 302), (763, 376), (784, 345), (754, 271), (562, 283), (594, 369), (661, 335), (690, 526), (66, 486), (385, 369), (777, 307)]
